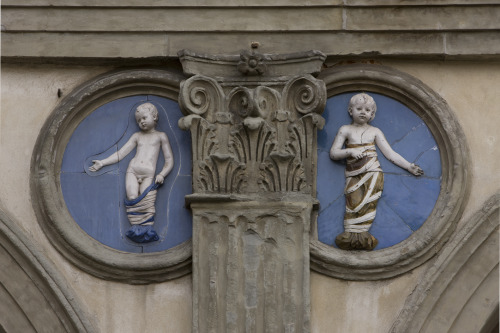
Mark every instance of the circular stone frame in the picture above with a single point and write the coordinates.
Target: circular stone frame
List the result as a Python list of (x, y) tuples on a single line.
[(455, 183), (59, 226)]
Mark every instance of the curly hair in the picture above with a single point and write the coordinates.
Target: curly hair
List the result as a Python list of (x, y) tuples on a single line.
[(150, 108)]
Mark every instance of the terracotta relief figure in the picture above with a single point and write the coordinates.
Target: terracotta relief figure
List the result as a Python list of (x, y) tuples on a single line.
[(140, 181), (364, 177)]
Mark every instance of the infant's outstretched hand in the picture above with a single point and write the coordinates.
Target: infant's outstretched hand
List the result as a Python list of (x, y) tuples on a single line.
[(415, 170), (96, 166), (159, 179)]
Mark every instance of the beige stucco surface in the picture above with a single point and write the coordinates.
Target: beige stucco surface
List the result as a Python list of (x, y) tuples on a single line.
[(29, 94), (471, 90), (339, 306)]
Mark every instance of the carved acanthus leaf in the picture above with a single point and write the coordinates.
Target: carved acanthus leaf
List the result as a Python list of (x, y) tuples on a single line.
[(282, 172), (222, 174), (254, 139), (253, 142)]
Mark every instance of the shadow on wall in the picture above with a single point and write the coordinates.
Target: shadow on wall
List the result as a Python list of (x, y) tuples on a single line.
[(459, 292), (32, 292)]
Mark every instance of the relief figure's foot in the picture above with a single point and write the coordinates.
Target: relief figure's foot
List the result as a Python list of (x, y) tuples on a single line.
[(356, 241), (142, 234)]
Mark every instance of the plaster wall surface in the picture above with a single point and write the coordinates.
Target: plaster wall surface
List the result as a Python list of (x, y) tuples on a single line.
[(28, 96), (352, 306)]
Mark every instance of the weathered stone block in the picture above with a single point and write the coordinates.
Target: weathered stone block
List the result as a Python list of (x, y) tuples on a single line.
[(251, 266)]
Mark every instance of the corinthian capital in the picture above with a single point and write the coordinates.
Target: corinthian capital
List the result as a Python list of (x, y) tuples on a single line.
[(253, 132)]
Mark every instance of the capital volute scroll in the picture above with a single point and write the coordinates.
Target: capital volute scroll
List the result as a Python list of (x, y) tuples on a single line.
[(253, 120), (304, 94), (201, 95)]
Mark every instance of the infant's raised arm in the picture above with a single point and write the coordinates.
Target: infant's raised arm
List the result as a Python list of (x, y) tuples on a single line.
[(115, 157), (394, 157)]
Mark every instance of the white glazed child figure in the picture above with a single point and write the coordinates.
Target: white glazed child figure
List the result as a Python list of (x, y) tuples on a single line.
[(364, 177), (139, 186)]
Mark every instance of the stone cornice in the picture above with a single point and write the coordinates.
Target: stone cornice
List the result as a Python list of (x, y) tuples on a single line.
[(453, 29)]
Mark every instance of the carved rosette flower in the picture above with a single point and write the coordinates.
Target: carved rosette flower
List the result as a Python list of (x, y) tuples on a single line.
[(251, 63)]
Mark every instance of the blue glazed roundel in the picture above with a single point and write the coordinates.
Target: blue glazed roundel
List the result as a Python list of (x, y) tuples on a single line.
[(406, 200), (96, 199)]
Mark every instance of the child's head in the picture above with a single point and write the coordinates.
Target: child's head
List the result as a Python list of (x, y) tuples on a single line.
[(362, 99), (147, 107)]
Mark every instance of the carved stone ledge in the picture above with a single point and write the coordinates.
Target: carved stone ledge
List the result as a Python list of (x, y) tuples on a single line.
[(227, 65), (231, 198)]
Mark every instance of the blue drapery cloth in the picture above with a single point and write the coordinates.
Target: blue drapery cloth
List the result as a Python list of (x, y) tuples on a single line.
[(135, 201), (141, 233)]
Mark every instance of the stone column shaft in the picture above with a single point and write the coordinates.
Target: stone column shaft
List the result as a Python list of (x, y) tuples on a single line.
[(251, 266)]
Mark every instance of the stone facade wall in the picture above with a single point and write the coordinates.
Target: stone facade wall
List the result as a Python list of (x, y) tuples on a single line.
[(51, 47), (29, 94)]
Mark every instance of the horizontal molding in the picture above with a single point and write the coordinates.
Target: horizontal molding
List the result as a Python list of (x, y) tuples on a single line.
[(160, 45), (170, 19), (413, 3), (250, 18), (423, 18), (243, 3), (170, 3), (469, 43), (101, 45)]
